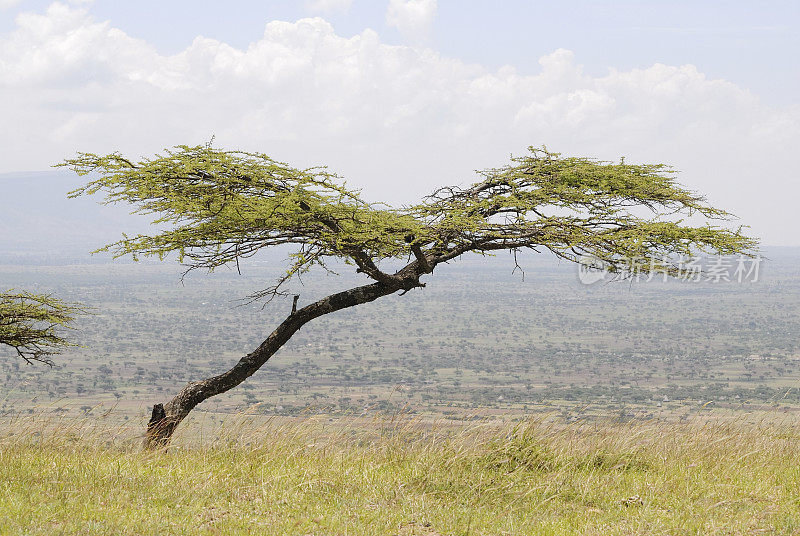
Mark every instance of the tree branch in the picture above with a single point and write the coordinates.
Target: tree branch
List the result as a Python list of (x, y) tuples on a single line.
[(421, 259), (194, 393)]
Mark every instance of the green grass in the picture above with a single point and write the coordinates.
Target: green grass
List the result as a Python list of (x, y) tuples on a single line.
[(403, 477)]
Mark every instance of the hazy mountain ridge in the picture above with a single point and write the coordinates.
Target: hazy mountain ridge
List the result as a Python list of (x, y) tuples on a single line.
[(37, 217), (39, 224)]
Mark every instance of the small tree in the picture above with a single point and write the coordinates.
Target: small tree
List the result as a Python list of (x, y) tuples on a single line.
[(226, 205), (31, 324)]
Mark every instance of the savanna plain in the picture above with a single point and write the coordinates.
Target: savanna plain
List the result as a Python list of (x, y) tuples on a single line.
[(482, 404)]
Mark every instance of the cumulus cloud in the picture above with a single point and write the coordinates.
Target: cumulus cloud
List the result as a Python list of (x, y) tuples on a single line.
[(412, 18), (396, 121), (328, 6)]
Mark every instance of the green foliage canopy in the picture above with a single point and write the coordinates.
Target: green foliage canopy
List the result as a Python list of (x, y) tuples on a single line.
[(221, 205), (622, 214), (31, 324)]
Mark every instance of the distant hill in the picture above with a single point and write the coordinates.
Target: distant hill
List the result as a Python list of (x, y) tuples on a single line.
[(37, 218), (39, 224)]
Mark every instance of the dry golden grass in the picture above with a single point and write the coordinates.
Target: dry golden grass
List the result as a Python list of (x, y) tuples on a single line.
[(402, 477)]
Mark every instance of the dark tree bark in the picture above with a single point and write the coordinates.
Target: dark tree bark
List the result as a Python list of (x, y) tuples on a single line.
[(165, 418)]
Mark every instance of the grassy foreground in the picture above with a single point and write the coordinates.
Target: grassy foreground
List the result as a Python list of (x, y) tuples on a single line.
[(404, 478)]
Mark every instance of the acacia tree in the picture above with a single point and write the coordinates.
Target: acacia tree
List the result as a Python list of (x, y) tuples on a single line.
[(220, 206), (31, 324)]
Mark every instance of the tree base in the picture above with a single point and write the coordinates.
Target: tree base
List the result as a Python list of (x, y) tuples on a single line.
[(159, 429)]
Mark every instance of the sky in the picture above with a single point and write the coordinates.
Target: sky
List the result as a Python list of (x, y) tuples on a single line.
[(402, 96)]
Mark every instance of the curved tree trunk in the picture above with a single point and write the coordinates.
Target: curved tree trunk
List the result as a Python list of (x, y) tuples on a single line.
[(166, 417)]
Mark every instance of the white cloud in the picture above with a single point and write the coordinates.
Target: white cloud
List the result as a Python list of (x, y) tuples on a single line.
[(8, 4), (412, 18), (397, 121), (328, 6)]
